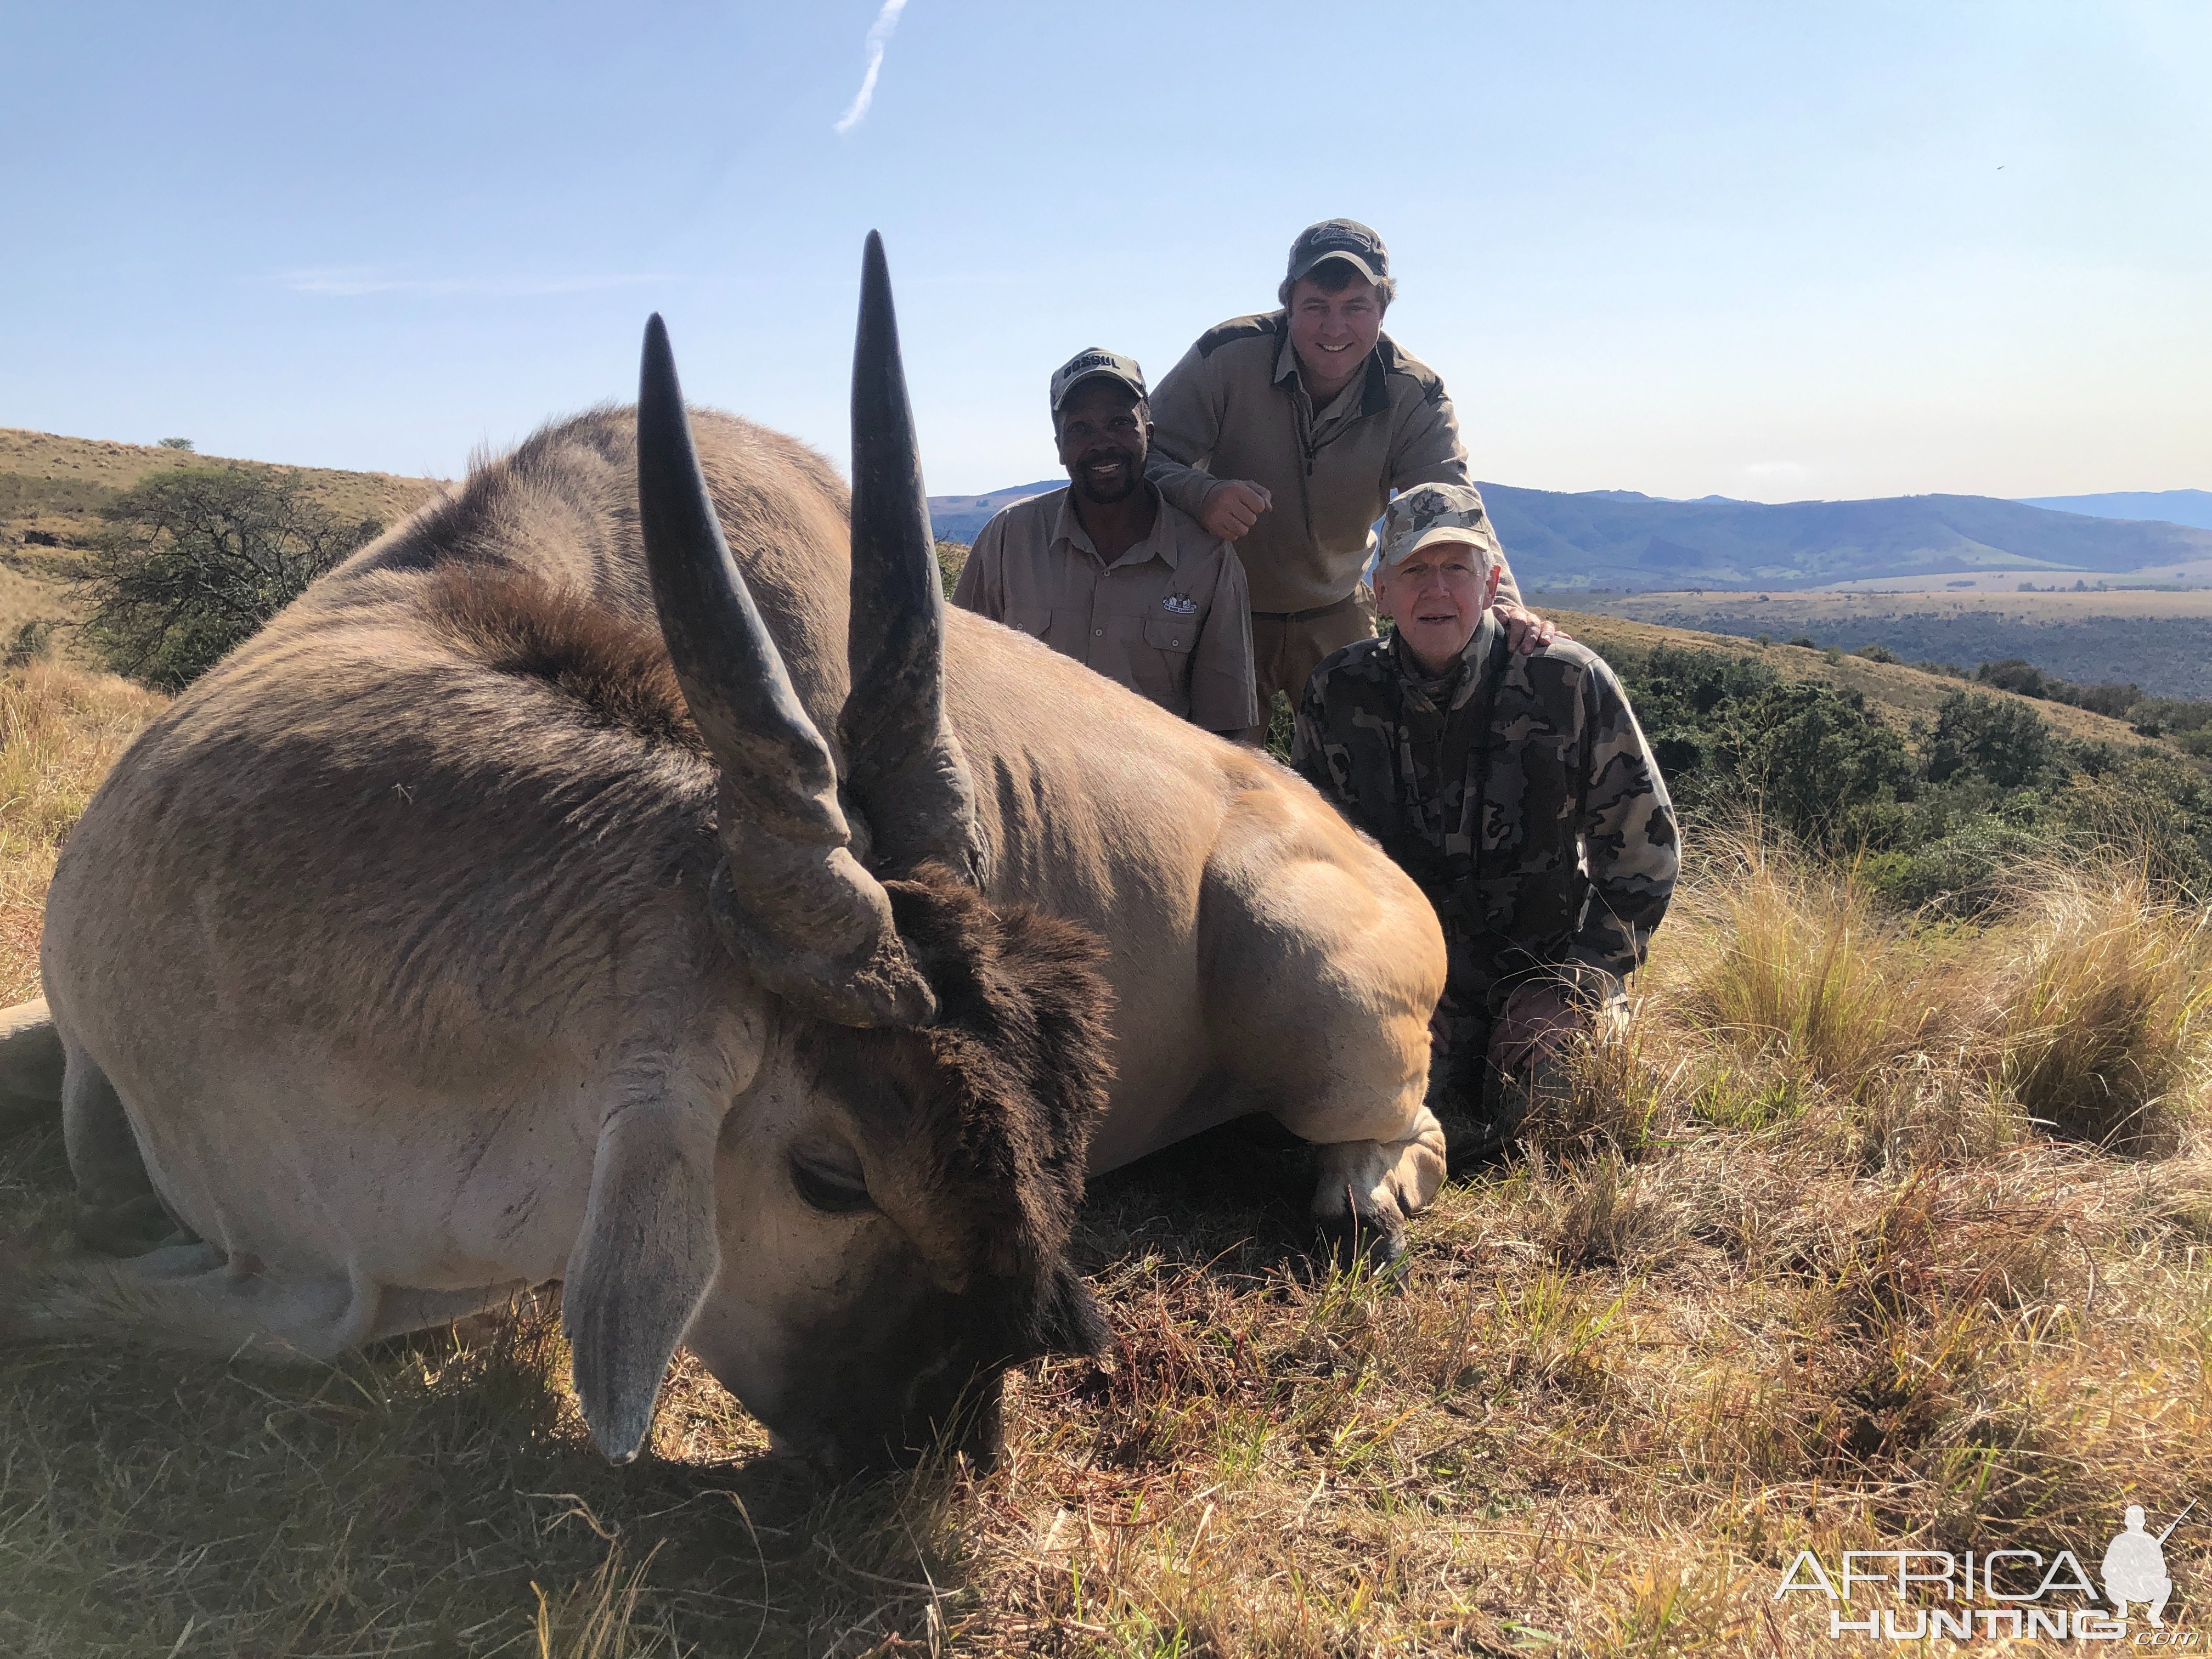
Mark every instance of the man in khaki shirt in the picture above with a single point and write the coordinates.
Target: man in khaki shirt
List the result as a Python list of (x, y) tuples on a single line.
[(1286, 433), (1108, 573)]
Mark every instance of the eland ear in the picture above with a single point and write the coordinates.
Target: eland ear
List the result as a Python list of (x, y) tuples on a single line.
[(641, 1266)]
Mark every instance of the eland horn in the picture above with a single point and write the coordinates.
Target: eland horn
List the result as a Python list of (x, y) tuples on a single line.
[(795, 906), (906, 769)]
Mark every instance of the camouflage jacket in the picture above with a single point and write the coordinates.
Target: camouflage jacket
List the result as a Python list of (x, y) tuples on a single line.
[(1518, 792)]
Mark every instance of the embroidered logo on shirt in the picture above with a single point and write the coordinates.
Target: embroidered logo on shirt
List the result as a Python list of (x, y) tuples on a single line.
[(1180, 605)]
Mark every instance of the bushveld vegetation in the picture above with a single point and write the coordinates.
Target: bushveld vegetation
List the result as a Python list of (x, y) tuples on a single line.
[(2190, 721), (1878, 1229), (1934, 814)]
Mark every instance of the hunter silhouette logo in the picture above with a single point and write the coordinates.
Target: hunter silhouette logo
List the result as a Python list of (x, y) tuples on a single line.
[(1985, 1594), (2135, 1567)]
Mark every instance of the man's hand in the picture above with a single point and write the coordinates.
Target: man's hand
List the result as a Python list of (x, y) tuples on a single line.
[(1233, 506), (1525, 631), (1538, 1020)]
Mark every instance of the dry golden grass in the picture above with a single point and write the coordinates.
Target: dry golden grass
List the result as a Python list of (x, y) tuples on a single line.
[(60, 730), (1795, 1267)]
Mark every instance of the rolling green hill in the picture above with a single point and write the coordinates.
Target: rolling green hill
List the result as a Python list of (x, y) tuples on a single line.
[(2192, 507), (51, 487), (54, 487)]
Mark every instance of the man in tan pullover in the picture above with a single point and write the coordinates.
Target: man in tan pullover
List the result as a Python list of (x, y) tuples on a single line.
[(1285, 433)]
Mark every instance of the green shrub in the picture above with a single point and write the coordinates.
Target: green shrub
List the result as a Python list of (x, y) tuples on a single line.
[(2013, 674), (951, 560), (2002, 742), (195, 561), (1729, 731)]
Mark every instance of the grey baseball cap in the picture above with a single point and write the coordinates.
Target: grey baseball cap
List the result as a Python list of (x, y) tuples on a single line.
[(1094, 361), (1433, 513), (1339, 239)]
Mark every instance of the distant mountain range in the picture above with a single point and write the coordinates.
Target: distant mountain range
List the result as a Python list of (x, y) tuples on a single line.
[(2190, 507), (1623, 540)]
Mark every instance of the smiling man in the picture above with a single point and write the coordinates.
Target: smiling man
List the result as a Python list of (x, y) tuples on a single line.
[(1285, 433), (1517, 790), (1108, 573)]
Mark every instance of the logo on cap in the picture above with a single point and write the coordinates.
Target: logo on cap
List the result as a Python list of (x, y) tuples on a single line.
[(1096, 360), (1339, 239), (1434, 512)]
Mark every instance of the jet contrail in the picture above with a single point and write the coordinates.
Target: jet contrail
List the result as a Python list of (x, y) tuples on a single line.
[(879, 35)]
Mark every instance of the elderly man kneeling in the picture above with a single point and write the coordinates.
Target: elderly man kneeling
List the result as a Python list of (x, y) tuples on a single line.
[(1517, 790)]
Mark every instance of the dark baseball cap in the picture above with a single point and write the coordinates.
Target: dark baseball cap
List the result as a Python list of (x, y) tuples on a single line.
[(1339, 239), (1091, 363)]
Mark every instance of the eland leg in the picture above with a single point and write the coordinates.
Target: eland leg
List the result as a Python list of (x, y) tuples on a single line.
[(117, 1209), (1325, 971), (31, 1056), (194, 1298)]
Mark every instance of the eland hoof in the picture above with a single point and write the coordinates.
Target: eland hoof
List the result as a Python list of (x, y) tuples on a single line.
[(1357, 1242), (128, 1229)]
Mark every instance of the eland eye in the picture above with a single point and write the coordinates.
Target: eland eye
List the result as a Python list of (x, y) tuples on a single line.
[(828, 1190)]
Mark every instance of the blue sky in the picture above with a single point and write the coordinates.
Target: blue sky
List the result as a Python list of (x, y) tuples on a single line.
[(1775, 251)]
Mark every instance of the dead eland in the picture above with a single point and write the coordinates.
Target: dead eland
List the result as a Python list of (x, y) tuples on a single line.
[(626, 873)]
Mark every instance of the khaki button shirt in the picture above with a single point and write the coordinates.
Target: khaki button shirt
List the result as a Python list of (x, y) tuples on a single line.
[(1169, 618), (1234, 408), (1323, 422)]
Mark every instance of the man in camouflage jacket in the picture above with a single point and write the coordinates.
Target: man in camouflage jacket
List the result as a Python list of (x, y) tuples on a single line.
[(1517, 790)]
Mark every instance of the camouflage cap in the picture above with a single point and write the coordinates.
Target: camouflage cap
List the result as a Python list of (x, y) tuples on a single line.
[(1339, 239), (1091, 363), (1431, 513)]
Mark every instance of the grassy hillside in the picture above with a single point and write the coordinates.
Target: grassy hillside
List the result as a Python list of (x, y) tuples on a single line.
[(52, 490), (2160, 641), (1866, 1236), (55, 486)]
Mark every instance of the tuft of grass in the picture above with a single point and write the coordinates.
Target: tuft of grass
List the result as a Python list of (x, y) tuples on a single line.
[(1793, 964), (2103, 1007)]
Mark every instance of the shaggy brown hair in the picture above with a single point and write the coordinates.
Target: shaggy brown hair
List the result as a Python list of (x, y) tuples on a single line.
[(1334, 276), (515, 623), (1014, 1073)]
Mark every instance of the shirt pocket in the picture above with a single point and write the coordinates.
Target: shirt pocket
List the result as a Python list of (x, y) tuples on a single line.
[(1034, 620), (1171, 633)]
